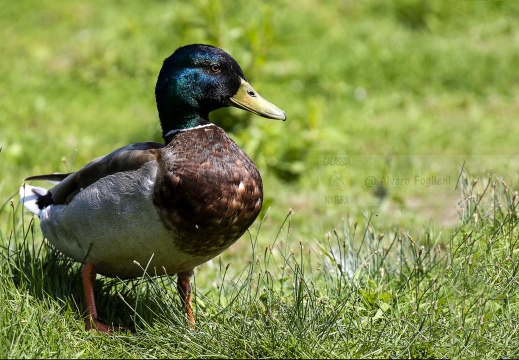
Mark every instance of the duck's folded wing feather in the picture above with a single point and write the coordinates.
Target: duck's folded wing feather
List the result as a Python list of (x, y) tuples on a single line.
[(49, 177), (128, 158)]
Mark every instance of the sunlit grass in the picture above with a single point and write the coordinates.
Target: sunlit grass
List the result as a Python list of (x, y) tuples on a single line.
[(356, 293), (362, 78)]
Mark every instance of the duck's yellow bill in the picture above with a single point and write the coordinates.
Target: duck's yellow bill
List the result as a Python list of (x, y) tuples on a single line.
[(247, 98)]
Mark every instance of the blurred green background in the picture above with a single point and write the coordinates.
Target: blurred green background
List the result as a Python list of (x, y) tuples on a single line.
[(371, 77)]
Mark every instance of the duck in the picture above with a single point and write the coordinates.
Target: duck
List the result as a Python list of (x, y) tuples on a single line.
[(172, 205)]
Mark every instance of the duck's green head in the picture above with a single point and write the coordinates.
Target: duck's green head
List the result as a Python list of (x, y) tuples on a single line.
[(197, 79)]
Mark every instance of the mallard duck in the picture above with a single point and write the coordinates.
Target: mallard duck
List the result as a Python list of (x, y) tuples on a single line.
[(173, 206)]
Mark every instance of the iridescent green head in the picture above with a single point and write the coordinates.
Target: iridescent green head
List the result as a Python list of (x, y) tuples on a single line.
[(197, 79)]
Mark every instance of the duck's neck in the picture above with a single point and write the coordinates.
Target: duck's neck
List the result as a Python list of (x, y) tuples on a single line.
[(180, 121)]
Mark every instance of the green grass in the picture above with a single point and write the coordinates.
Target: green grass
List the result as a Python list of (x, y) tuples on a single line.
[(400, 89), (355, 293)]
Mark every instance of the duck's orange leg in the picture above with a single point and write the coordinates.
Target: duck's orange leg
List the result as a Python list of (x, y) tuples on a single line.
[(184, 290), (91, 320)]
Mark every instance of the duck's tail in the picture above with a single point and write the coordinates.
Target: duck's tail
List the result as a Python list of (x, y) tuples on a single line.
[(29, 196)]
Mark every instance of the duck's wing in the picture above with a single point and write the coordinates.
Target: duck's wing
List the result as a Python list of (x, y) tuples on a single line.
[(128, 158), (56, 177)]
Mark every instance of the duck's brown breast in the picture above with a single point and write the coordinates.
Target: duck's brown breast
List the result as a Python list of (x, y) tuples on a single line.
[(208, 191)]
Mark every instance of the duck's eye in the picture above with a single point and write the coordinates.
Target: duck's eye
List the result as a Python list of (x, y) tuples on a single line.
[(215, 68)]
